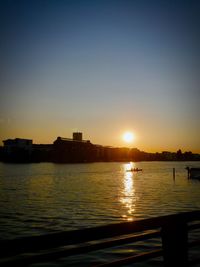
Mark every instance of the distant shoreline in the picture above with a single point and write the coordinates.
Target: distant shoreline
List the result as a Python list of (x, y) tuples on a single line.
[(86, 162), (77, 150)]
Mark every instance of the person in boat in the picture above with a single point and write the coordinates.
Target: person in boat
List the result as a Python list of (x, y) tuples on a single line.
[(134, 170)]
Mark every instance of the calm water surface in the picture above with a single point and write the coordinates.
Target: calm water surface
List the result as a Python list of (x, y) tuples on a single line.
[(46, 197)]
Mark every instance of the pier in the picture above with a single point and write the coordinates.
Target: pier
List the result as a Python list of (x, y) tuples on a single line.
[(193, 173), (172, 229)]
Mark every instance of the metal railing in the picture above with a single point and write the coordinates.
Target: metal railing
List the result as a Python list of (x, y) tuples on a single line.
[(173, 230)]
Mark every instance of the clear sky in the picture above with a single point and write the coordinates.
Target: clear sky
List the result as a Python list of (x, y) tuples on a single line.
[(101, 67)]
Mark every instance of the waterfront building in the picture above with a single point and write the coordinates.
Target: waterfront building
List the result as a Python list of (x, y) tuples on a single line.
[(73, 150), (11, 145), (17, 149)]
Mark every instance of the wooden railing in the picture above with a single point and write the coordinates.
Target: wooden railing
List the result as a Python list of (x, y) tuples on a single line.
[(173, 230)]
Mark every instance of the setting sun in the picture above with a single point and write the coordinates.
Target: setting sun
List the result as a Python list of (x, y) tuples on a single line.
[(128, 137)]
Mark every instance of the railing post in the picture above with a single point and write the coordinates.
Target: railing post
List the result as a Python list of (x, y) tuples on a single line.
[(175, 244)]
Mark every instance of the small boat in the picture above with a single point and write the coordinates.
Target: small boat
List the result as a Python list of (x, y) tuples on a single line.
[(134, 170), (193, 173)]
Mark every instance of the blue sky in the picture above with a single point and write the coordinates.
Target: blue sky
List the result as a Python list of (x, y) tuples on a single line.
[(101, 67)]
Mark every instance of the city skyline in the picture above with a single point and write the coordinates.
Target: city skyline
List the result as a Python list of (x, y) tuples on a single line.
[(128, 144), (78, 150), (101, 68)]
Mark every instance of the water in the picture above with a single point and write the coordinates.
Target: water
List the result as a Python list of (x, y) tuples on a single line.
[(46, 197)]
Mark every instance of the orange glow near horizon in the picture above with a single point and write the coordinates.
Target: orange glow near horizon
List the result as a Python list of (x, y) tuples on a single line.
[(143, 140)]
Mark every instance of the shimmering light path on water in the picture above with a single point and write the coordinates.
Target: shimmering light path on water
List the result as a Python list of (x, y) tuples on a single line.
[(46, 197)]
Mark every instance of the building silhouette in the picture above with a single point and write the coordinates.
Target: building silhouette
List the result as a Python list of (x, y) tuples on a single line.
[(73, 150), (78, 150), (77, 136), (17, 150)]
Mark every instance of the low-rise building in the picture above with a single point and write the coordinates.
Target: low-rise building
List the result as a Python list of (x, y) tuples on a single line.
[(73, 150), (11, 145), (17, 149)]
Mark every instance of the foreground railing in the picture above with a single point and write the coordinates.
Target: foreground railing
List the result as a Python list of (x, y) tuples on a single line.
[(173, 230)]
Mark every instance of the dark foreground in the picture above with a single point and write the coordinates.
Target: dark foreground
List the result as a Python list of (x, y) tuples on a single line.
[(173, 230)]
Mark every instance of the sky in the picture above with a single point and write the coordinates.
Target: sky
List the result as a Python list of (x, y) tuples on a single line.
[(101, 67)]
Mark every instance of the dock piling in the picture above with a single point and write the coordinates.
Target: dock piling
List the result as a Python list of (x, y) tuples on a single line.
[(174, 174)]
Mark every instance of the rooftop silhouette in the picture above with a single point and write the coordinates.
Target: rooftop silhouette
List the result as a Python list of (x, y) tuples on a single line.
[(78, 150)]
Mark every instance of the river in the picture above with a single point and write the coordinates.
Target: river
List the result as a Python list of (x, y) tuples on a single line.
[(45, 197)]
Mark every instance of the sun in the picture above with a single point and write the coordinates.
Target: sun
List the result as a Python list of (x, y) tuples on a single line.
[(128, 137)]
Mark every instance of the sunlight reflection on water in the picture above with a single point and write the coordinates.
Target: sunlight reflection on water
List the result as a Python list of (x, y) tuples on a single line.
[(42, 198), (128, 193), (46, 197)]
